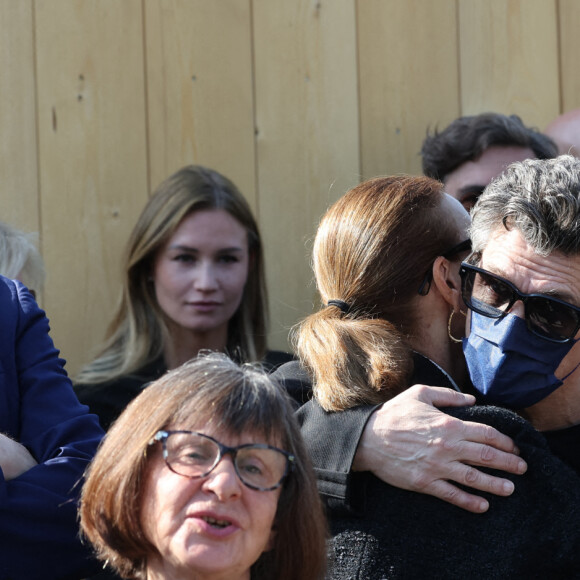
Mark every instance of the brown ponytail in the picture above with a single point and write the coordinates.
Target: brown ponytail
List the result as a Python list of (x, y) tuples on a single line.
[(353, 361), (372, 249)]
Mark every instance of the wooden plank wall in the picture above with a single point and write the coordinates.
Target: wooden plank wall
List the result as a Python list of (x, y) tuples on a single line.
[(296, 101)]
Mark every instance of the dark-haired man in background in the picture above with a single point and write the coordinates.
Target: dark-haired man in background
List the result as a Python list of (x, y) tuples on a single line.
[(473, 150)]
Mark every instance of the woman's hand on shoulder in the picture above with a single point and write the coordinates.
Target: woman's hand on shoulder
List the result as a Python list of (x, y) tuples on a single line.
[(409, 443)]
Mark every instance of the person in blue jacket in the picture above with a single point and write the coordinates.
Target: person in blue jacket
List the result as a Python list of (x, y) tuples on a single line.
[(48, 439)]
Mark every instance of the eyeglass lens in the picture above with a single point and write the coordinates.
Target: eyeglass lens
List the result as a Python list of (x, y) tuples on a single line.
[(195, 455), (492, 296)]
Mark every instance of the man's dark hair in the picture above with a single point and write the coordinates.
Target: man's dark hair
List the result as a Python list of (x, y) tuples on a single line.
[(466, 138)]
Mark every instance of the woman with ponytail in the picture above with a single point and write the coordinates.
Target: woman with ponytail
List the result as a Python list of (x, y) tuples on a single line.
[(372, 250), (386, 260)]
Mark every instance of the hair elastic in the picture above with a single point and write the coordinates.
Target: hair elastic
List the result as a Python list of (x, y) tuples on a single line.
[(343, 306)]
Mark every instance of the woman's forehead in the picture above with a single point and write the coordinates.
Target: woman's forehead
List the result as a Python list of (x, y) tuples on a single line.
[(228, 436)]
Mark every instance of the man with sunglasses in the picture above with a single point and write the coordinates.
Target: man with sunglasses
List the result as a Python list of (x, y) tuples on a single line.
[(522, 285)]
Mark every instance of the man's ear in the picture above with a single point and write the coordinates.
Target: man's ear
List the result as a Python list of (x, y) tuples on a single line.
[(448, 282)]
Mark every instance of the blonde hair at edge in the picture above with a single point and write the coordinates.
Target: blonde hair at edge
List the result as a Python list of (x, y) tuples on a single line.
[(372, 250), (138, 333), (20, 258)]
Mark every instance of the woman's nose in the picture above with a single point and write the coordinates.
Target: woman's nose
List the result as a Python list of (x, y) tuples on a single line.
[(223, 480), (205, 278)]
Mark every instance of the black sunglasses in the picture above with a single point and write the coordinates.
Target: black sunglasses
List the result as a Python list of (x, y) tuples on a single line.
[(464, 246), (493, 296)]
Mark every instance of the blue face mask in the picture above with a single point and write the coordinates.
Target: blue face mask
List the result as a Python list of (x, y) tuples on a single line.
[(509, 365)]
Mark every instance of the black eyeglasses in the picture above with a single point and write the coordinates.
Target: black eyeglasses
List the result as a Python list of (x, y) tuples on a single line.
[(493, 296), (464, 246), (191, 454)]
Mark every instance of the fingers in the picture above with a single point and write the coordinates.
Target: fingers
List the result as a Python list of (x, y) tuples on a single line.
[(492, 444), (485, 482), (440, 396), (451, 494), (475, 479), (484, 455), (459, 472), (476, 432), (490, 436), (431, 452)]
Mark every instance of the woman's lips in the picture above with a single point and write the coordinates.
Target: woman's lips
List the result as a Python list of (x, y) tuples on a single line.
[(206, 306), (216, 525)]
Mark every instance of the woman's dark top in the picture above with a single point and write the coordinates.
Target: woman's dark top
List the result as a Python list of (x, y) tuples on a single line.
[(108, 400), (382, 532)]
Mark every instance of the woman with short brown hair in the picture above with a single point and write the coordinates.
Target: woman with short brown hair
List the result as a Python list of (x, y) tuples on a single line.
[(164, 478)]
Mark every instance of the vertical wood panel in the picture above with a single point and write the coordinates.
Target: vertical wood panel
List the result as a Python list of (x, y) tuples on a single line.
[(408, 79), (186, 89), (92, 158), (18, 160), (509, 58), (569, 27), (308, 150), (200, 94)]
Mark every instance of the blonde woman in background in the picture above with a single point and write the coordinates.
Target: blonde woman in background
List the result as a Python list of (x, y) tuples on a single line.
[(193, 280)]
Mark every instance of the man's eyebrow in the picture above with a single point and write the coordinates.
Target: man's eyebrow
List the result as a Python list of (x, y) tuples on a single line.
[(565, 296), (553, 293)]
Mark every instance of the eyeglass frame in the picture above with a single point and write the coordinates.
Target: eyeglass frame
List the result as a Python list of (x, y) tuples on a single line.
[(463, 246), (517, 295), (163, 435)]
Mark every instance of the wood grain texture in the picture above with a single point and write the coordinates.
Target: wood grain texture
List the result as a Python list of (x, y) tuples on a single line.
[(93, 169), (296, 101), (509, 58), (200, 89), (569, 25), (408, 79), (19, 193), (307, 142)]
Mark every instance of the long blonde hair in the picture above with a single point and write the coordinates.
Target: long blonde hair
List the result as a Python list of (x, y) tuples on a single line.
[(138, 333), (372, 250)]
